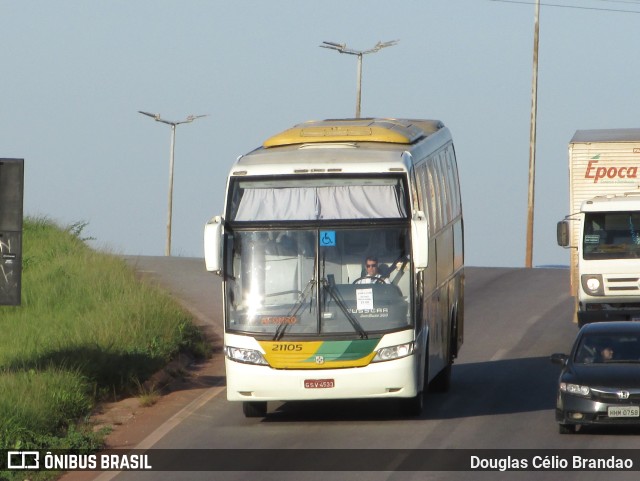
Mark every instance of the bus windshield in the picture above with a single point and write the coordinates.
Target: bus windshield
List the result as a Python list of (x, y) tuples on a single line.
[(611, 235), (320, 281)]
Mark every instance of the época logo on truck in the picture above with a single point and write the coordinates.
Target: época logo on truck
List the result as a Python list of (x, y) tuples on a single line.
[(610, 173)]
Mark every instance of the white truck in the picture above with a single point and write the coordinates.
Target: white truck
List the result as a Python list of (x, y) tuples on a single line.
[(603, 227)]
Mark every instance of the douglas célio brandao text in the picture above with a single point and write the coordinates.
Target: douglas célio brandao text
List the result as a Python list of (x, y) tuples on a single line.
[(550, 463)]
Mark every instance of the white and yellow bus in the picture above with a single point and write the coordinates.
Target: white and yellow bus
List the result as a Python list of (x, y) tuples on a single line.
[(342, 257)]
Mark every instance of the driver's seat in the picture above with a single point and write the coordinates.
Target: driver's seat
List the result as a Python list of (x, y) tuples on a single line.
[(384, 270)]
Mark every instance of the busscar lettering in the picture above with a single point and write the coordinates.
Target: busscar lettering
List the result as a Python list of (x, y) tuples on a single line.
[(375, 310), (371, 313), (598, 172)]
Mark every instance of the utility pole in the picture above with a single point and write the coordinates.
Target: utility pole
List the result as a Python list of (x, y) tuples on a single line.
[(188, 120), (532, 140), (342, 48)]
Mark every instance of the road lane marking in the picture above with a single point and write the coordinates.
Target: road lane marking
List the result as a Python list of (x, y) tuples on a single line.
[(168, 425)]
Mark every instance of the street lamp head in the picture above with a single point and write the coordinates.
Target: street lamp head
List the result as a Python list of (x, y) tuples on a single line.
[(340, 47), (390, 43), (157, 118), (148, 114), (380, 45), (334, 44), (191, 118)]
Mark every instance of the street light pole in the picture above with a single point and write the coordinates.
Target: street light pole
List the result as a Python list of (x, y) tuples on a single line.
[(359, 86), (532, 140), (342, 48), (167, 249), (188, 120)]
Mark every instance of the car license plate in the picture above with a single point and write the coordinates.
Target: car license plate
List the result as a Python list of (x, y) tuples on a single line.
[(319, 383), (623, 411)]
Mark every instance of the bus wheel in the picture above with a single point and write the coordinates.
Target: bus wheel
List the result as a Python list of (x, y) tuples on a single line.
[(255, 409), (442, 381), (412, 407)]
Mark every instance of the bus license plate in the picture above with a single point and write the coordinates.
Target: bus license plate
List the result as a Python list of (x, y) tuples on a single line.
[(623, 411), (319, 383)]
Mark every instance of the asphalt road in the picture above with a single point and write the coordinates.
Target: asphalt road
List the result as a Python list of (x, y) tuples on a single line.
[(502, 394)]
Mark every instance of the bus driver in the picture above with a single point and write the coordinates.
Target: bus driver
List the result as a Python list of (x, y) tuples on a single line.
[(372, 275)]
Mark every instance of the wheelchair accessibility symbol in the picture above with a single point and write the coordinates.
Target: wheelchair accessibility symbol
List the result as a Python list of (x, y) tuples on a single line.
[(327, 238)]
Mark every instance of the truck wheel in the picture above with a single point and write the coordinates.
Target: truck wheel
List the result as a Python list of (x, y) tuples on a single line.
[(254, 409)]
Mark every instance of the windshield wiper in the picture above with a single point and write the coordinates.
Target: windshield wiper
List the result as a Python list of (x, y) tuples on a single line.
[(340, 303), (295, 309)]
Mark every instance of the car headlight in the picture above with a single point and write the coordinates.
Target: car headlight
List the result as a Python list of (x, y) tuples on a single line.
[(248, 356), (394, 352), (576, 389), (592, 284)]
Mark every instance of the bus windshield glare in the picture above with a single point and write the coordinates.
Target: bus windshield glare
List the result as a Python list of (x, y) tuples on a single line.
[(319, 281)]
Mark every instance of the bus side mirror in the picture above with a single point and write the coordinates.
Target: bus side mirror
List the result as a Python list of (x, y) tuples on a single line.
[(420, 241), (213, 244), (563, 233)]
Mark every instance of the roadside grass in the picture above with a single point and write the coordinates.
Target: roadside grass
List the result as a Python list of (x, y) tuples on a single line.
[(87, 330)]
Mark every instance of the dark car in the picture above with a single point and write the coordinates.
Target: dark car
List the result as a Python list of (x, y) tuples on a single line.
[(600, 380)]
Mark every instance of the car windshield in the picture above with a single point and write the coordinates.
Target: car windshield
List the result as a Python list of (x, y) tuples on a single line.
[(319, 281), (608, 347)]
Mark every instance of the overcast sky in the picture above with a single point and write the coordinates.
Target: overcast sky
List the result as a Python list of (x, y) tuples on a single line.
[(75, 74)]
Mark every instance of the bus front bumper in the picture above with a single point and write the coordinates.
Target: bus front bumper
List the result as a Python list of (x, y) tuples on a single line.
[(389, 379)]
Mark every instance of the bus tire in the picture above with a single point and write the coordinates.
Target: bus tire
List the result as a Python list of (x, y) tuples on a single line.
[(412, 407), (442, 382), (453, 340), (254, 409)]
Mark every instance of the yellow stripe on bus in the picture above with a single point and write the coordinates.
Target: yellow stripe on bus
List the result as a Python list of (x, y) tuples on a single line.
[(311, 355)]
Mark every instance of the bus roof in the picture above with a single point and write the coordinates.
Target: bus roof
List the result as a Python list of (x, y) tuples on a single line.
[(344, 146), (397, 131)]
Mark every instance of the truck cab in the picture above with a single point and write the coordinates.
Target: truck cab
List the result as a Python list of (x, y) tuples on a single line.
[(607, 278)]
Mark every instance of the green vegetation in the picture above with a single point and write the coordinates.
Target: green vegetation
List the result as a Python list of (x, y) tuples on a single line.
[(87, 330)]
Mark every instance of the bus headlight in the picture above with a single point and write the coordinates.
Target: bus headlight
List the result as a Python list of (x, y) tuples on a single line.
[(394, 352), (247, 356)]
